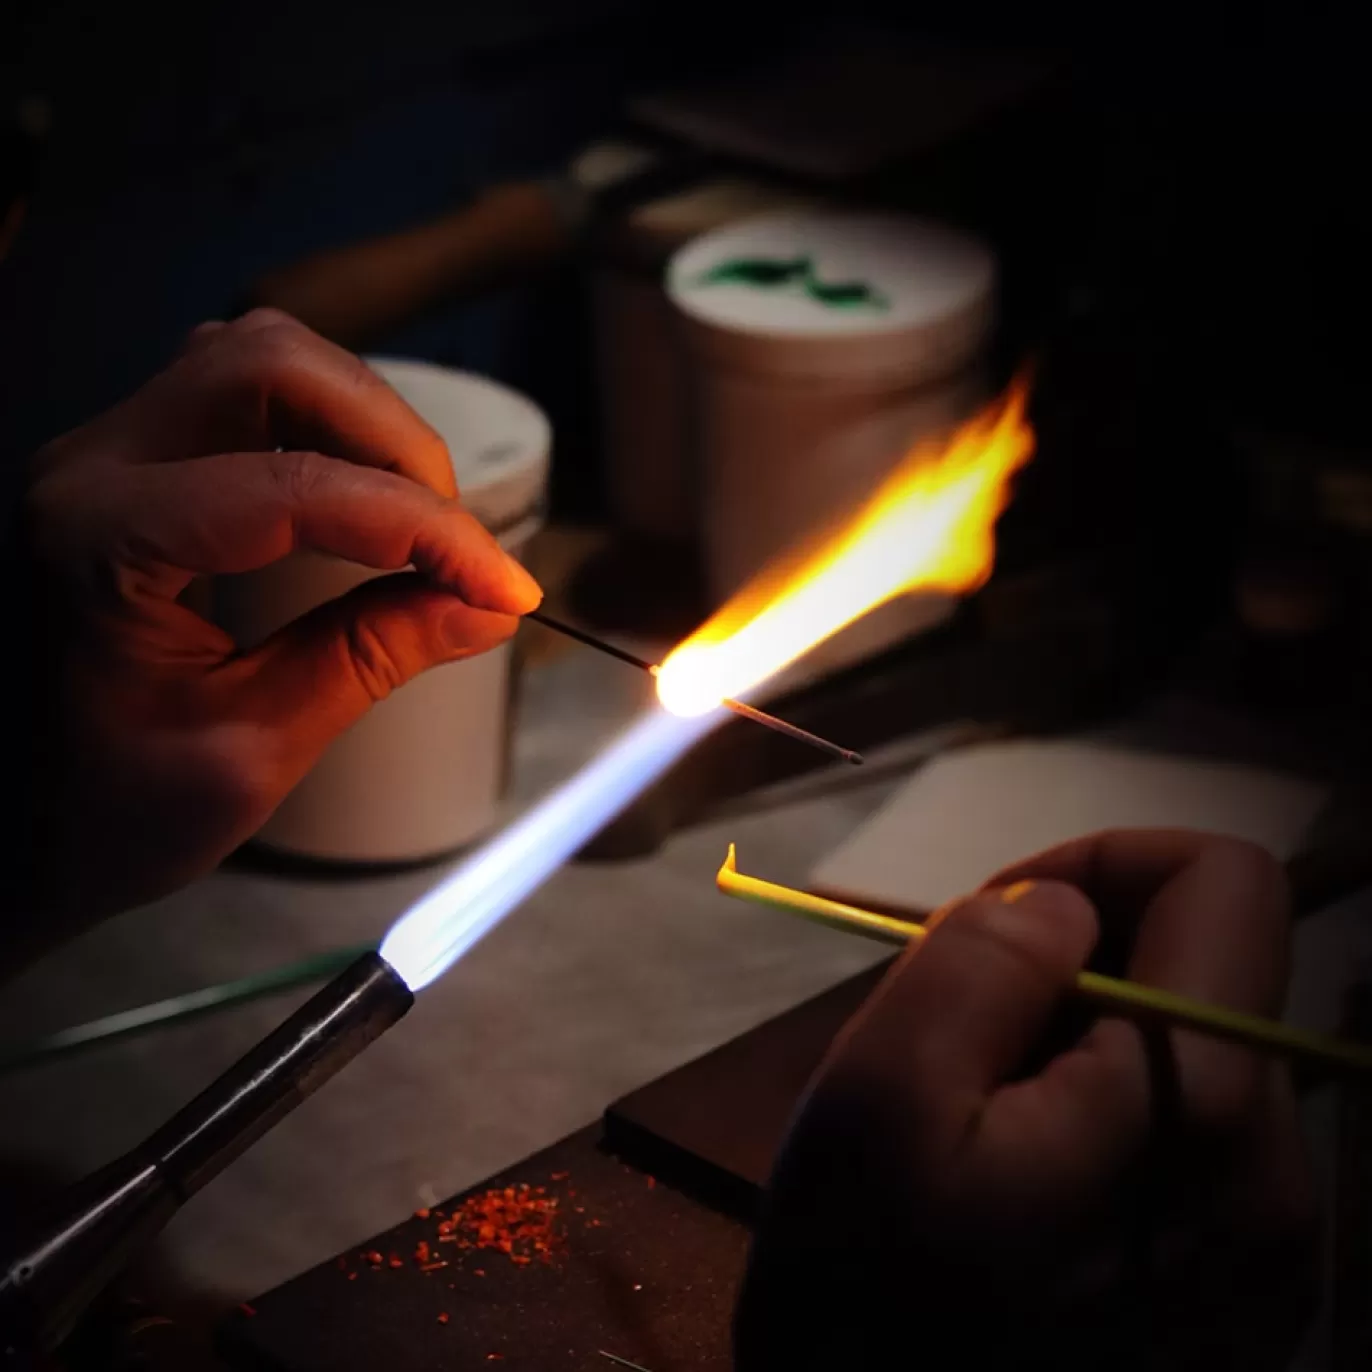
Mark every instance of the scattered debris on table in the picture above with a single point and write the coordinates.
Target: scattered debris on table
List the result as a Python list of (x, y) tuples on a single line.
[(623, 1362), (525, 1223)]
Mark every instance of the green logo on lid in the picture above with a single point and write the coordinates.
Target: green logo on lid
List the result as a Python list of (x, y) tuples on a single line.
[(791, 273)]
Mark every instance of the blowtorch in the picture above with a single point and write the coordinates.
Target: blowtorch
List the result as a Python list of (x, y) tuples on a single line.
[(102, 1221)]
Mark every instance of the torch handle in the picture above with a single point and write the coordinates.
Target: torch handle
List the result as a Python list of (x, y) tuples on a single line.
[(290, 1064), (104, 1220)]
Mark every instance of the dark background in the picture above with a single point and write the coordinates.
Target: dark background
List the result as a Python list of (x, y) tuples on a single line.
[(1183, 223), (1218, 155)]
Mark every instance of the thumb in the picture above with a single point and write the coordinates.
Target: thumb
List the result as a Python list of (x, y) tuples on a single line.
[(318, 675), (965, 1007)]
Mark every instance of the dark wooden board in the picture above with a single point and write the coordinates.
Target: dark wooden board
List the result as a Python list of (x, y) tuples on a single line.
[(653, 1281), (652, 1259), (714, 1126)]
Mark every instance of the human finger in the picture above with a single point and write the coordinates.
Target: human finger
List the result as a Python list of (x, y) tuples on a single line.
[(1218, 930), (1205, 916), (265, 381), (234, 512), (1119, 870), (312, 679), (963, 1010)]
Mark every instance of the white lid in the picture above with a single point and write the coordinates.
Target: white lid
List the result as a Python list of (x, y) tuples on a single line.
[(608, 163), (499, 440), (830, 294)]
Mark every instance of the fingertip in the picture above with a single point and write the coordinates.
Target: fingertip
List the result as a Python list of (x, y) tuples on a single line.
[(422, 451), (1252, 868), (1050, 923), (965, 1006), (461, 554), (525, 592)]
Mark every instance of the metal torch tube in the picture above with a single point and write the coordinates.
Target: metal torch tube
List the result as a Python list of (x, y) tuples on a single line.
[(102, 1221)]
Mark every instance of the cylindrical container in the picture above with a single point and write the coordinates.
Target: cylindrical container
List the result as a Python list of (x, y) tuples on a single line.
[(422, 773), (824, 346), (650, 465)]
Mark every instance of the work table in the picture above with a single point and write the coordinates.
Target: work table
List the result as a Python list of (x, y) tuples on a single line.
[(607, 978)]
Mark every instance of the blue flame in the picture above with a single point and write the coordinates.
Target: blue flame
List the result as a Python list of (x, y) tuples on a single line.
[(461, 910)]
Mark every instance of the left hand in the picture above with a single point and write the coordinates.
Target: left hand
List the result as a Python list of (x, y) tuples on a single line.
[(163, 746)]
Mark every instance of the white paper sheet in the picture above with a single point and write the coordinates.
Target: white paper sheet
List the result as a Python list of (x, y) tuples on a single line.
[(968, 814)]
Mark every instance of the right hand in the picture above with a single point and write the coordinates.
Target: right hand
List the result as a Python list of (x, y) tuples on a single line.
[(983, 1177)]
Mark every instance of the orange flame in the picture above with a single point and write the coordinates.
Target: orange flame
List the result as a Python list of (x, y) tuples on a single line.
[(929, 526)]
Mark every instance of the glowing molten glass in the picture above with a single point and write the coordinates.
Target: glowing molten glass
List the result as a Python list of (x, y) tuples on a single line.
[(930, 526)]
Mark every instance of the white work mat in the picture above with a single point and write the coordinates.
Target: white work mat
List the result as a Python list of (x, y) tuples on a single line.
[(970, 813)]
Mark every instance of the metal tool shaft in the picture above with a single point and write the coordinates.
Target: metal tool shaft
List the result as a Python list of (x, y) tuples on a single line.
[(782, 726), (101, 1222), (591, 641), (751, 712)]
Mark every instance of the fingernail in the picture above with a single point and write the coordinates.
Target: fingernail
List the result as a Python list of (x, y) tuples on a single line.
[(1024, 905), (525, 590)]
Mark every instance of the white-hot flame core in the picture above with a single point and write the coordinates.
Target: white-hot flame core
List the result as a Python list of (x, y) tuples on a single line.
[(462, 909)]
